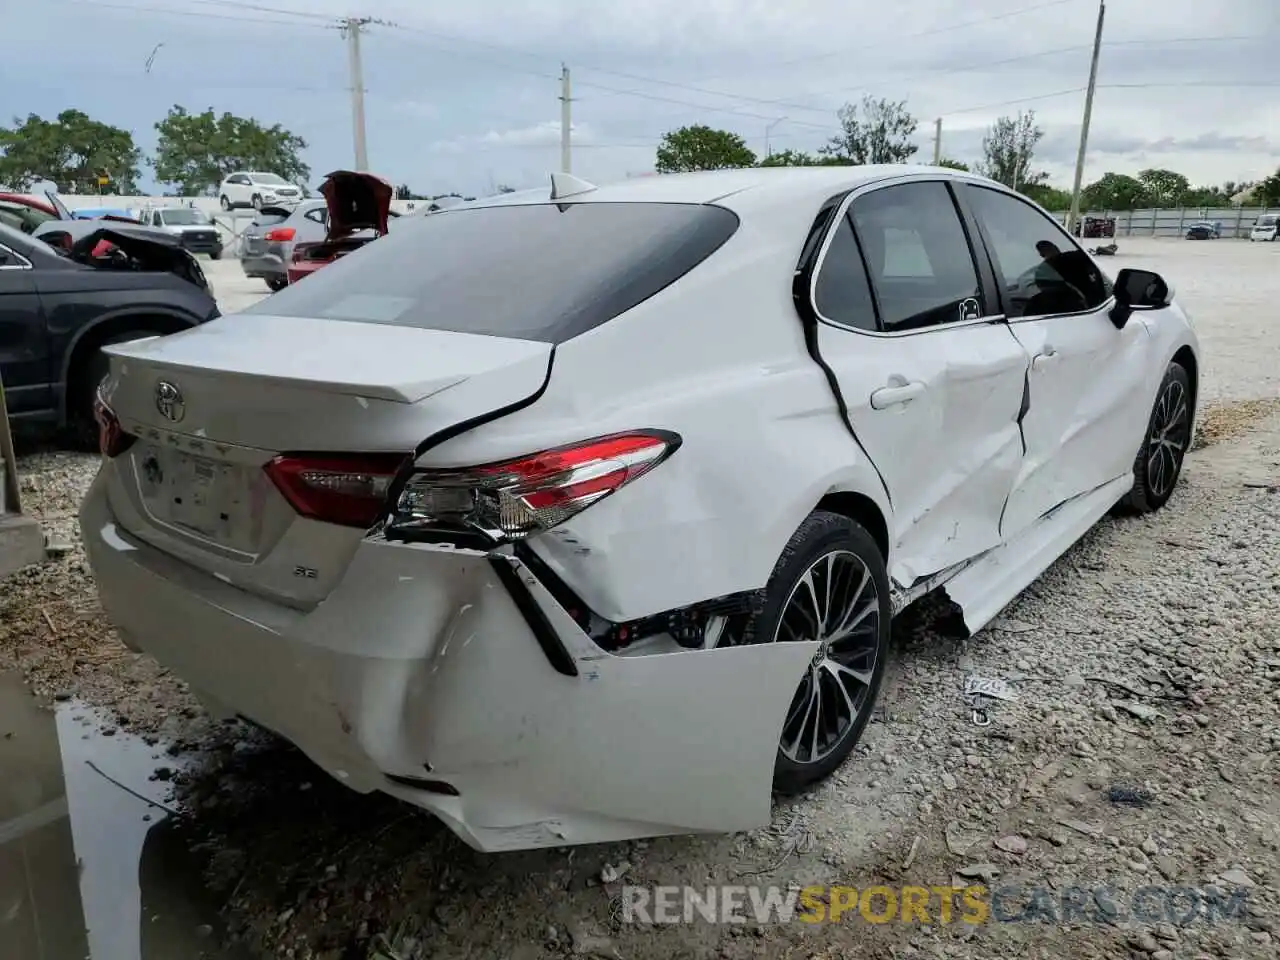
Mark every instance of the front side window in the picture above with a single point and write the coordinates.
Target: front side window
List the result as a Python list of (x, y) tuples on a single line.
[(1043, 270), (918, 256)]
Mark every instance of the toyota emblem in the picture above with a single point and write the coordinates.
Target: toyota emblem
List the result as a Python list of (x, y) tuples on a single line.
[(169, 401)]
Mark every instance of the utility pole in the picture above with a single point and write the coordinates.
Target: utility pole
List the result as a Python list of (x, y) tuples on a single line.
[(351, 27), (566, 121), (768, 149), (1074, 216), (937, 141)]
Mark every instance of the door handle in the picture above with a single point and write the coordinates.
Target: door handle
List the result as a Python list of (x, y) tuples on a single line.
[(1042, 360), (887, 397)]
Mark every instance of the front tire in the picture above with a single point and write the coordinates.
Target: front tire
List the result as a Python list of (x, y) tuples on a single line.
[(830, 584), (1158, 465)]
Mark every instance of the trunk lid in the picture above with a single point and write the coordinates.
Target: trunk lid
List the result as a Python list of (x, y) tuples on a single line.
[(356, 201), (211, 406)]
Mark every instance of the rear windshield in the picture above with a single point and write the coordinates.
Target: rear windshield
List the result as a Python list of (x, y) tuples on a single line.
[(545, 272), (1268, 220)]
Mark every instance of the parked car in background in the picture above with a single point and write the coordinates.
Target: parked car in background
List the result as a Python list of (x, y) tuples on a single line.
[(266, 245), (1266, 227), (1203, 230), (66, 229), (118, 214), (559, 530), (358, 207), (192, 227), (1096, 227), (257, 190), (58, 309), (25, 213)]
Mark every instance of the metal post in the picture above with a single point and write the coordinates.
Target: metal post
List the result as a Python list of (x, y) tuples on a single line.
[(566, 121), (1088, 114), (351, 26), (937, 141), (768, 149)]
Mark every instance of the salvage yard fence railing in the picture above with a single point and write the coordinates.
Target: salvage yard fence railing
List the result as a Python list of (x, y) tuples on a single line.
[(1173, 221)]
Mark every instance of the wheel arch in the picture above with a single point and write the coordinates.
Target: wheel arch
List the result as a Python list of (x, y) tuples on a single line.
[(1185, 357), (91, 336), (863, 510)]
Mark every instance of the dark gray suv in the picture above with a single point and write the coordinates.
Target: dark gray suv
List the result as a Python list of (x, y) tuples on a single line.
[(266, 245)]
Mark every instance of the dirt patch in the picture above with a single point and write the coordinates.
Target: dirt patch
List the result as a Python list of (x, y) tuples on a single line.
[(1226, 421)]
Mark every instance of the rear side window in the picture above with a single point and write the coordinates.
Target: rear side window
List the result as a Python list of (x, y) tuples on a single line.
[(843, 293), (546, 272)]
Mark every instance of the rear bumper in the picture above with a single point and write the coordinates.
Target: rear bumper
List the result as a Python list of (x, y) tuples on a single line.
[(424, 663), (298, 271), (262, 266)]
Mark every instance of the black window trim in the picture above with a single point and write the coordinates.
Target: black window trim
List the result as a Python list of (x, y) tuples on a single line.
[(986, 277), (1001, 280)]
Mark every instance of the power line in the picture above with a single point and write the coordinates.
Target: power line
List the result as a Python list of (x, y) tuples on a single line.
[(230, 4), (198, 14)]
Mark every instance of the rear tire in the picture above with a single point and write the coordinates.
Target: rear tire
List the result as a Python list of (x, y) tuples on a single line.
[(276, 284), (1158, 465), (224, 202), (215, 255), (836, 696)]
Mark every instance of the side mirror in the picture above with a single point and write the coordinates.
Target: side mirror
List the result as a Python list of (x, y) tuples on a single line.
[(1138, 290)]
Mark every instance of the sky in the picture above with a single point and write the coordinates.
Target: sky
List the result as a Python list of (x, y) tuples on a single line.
[(465, 96)]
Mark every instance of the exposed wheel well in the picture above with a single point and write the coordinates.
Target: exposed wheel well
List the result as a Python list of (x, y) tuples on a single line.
[(88, 345), (1186, 358), (863, 510)]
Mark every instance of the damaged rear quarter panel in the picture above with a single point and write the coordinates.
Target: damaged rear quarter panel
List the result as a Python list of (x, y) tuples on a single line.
[(762, 438)]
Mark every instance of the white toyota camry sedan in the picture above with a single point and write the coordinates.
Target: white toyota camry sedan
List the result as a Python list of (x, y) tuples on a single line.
[(581, 515)]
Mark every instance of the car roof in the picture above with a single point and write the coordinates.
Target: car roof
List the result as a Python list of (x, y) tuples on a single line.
[(783, 194)]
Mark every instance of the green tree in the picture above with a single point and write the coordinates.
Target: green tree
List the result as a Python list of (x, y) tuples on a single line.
[(1114, 191), (700, 147), (404, 192), (1049, 197), (953, 164), (1164, 188), (73, 151), (503, 188), (791, 158), (1267, 192), (874, 131), (197, 151), (1008, 149)]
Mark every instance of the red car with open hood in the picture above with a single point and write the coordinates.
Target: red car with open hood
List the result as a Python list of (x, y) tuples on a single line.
[(359, 206)]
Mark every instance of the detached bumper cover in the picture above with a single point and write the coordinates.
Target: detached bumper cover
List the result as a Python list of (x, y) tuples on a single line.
[(421, 664)]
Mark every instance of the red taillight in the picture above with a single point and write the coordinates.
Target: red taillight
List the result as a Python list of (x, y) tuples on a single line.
[(517, 498), (112, 440), (336, 488), (279, 234)]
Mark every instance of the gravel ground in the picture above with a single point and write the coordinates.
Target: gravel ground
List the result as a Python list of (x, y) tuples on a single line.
[(1140, 749)]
